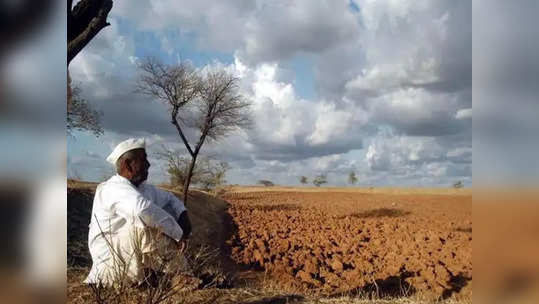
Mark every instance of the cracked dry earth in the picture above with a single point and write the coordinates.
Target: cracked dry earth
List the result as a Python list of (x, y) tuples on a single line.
[(331, 243)]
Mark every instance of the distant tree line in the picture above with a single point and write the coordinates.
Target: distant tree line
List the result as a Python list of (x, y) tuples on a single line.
[(317, 180), (321, 179)]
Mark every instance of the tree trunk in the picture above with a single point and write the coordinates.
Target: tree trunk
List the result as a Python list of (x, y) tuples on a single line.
[(188, 179), (174, 121), (192, 166)]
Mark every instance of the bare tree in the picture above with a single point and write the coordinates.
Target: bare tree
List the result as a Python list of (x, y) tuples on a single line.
[(304, 180), (80, 115), (84, 21), (220, 110), (352, 178), (215, 106)]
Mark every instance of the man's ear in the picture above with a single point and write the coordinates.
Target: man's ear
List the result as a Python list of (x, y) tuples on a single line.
[(127, 165)]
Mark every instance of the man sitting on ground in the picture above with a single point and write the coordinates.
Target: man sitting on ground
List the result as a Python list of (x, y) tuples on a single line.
[(136, 229)]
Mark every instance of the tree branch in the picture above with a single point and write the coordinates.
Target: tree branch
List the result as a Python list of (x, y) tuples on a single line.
[(174, 121), (85, 21)]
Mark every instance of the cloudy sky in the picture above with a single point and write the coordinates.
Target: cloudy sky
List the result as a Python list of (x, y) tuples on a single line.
[(381, 88)]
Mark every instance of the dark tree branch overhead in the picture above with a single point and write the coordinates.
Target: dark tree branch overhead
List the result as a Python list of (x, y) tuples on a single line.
[(84, 21)]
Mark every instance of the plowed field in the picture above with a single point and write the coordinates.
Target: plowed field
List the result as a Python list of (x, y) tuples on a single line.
[(351, 242)]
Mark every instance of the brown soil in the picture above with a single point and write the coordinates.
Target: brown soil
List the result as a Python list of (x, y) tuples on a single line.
[(333, 243), (313, 242)]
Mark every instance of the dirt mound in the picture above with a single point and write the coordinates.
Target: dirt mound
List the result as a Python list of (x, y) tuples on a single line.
[(79, 212), (333, 243)]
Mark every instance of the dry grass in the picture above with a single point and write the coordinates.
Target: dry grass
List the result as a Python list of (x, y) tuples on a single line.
[(81, 185), (78, 294)]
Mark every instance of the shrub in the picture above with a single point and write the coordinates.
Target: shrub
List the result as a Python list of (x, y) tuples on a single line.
[(266, 183), (320, 179), (352, 178), (207, 173)]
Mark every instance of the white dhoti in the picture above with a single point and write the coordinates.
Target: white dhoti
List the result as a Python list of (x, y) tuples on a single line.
[(132, 250)]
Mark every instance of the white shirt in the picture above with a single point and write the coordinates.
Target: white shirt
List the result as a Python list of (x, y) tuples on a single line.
[(119, 204)]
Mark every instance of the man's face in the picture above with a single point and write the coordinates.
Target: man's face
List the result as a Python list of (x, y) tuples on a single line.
[(139, 166)]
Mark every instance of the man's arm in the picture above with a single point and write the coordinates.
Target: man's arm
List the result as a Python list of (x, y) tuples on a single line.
[(131, 205), (175, 207), (169, 202), (156, 217)]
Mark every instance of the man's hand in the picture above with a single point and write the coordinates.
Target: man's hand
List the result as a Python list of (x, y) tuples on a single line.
[(185, 224)]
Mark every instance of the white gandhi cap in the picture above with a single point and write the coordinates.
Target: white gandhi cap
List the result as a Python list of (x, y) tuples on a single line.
[(124, 146)]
